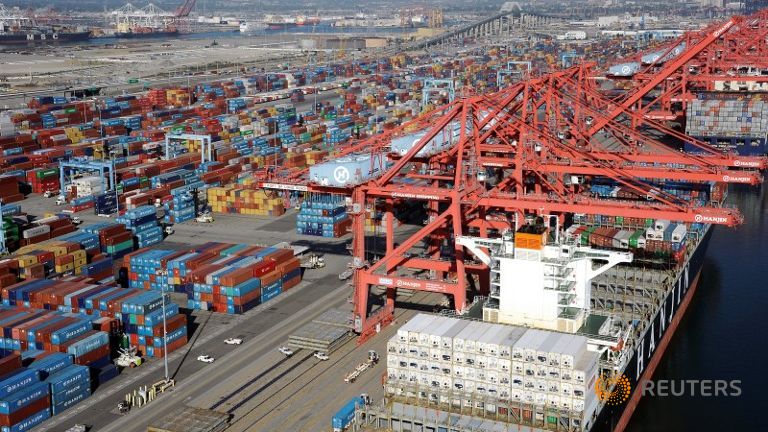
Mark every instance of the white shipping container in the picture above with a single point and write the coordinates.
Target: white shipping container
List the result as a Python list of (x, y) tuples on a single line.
[(678, 234), (36, 231), (653, 234), (661, 225)]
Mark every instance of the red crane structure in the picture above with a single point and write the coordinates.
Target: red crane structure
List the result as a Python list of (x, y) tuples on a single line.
[(185, 9), (526, 149), (728, 55)]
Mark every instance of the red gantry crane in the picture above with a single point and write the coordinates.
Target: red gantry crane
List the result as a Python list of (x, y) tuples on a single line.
[(524, 150), (527, 135), (723, 56)]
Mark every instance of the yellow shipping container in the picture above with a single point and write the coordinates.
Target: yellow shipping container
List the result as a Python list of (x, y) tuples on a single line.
[(64, 268), (26, 260), (58, 250)]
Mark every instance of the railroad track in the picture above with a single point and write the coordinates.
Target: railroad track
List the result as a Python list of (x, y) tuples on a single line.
[(317, 370)]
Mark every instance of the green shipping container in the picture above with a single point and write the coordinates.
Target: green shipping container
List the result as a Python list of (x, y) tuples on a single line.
[(648, 223), (551, 419), (585, 235), (41, 174), (619, 220), (634, 238)]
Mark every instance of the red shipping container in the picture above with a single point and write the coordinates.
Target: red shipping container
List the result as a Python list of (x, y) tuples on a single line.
[(19, 415), (171, 324), (263, 268), (248, 297), (270, 278), (10, 363), (237, 276), (93, 355)]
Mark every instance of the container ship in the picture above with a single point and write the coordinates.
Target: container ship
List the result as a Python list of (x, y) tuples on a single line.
[(274, 22), (250, 27), (530, 354), (135, 32), (580, 280), (569, 311), (22, 31)]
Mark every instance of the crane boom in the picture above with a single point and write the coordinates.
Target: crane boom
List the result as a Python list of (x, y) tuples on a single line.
[(184, 10), (662, 75)]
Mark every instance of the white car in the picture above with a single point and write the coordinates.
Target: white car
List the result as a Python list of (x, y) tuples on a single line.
[(205, 359), (233, 341), (321, 356), (286, 351)]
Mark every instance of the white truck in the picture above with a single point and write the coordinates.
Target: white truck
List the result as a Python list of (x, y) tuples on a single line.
[(204, 218), (128, 358), (314, 262), (373, 358)]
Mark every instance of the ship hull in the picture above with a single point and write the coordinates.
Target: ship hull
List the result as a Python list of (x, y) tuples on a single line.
[(34, 38), (651, 346), (148, 35), (273, 26)]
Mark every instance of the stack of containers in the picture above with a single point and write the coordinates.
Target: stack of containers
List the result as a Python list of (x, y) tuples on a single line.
[(140, 313), (91, 349), (146, 269), (63, 255), (11, 231), (114, 238), (324, 216), (68, 387), (142, 319), (179, 268), (99, 269), (220, 277), (81, 203), (24, 400), (184, 205), (44, 180), (88, 186), (9, 271), (142, 221), (242, 200), (55, 332), (105, 204)]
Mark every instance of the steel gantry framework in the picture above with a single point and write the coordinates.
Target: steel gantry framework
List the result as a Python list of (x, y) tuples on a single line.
[(518, 153), (723, 56)]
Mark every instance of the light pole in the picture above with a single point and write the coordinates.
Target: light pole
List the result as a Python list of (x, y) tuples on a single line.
[(162, 272)]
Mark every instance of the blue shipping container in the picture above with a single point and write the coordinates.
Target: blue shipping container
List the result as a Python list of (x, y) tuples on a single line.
[(344, 416)]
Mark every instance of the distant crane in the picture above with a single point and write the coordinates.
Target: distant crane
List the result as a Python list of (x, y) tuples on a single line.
[(151, 16), (184, 10)]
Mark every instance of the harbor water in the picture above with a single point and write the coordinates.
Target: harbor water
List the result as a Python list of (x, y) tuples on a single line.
[(721, 336)]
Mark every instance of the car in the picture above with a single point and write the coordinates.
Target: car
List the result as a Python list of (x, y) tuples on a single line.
[(233, 341), (286, 351), (321, 356), (205, 359)]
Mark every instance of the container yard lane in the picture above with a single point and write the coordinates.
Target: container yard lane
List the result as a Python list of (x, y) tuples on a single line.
[(264, 329)]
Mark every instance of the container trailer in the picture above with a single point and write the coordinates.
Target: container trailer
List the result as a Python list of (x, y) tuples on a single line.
[(346, 415)]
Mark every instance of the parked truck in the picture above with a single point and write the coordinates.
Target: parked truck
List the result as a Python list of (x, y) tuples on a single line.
[(373, 358), (346, 415)]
